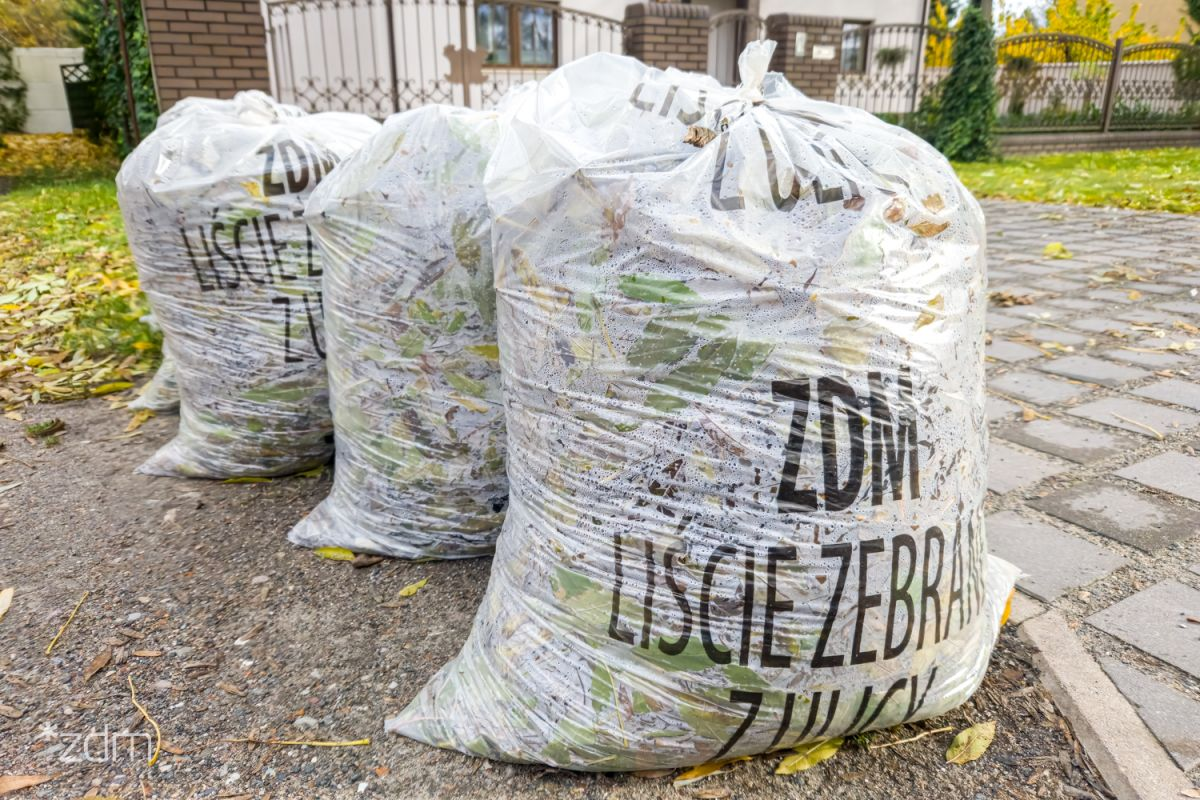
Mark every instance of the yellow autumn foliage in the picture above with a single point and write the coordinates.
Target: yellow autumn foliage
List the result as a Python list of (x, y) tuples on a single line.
[(1093, 19)]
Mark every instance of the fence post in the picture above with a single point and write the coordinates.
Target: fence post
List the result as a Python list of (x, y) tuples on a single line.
[(668, 35), (1110, 89), (390, 21)]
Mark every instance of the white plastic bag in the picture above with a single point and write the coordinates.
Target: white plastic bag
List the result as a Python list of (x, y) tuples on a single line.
[(161, 392), (744, 393), (410, 332), (213, 204)]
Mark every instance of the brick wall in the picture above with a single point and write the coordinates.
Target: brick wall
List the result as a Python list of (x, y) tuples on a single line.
[(668, 35), (210, 48), (816, 77)]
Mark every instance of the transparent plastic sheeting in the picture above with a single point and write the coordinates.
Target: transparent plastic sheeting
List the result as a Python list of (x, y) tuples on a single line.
[(213, 203), (161, 392), (744, 393), (410, 332)]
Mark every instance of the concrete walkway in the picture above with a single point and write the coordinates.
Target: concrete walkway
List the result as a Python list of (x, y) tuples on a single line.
[(1094, 410)]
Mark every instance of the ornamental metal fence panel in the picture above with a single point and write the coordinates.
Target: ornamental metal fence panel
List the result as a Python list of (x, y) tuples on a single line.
[(378, 57), (893, 71), (1157, 87)]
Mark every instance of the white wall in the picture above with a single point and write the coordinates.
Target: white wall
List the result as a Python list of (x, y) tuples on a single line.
[(46, 99)]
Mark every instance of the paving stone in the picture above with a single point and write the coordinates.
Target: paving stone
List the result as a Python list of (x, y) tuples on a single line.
[(1170, 715), (1054, 562), (1069, 440), (1155, 288), (1034, 313), (1125, 413), (1144, 316), (1038, 269), (1111, 296), (1056, 335), (999, 322), (1098, 324), (1154, 620), (1010, 468), (1169, 472), (1010, 352), (1157, 360), (1038, 389), (1181, 307), (1118, 512), (999, 409), (1092, 370), (1060, 285), (1173, 390)]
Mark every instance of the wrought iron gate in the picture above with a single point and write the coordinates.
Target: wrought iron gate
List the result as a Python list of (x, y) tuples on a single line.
[(381, 56), (890, 69), (728, 33)]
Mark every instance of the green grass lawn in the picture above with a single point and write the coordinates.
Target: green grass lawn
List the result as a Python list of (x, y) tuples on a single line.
[(69, 297), (1148, 180)]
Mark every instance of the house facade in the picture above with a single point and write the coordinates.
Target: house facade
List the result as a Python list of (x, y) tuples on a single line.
[(378, 56)]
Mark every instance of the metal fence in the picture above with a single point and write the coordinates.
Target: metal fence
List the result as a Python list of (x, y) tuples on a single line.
[(381, 56), (892, 69), (1059, 82)]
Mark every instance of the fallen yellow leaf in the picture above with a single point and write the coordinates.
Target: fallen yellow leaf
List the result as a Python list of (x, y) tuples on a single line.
[(109, 388), (705, 771), (971, 743), (246, 479), (807, 756), (138, 419), (1057, 250), (334, 553), (6, 597), (413, 588)]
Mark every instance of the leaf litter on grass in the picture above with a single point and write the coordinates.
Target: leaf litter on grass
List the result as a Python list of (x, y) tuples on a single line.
[(70, 304)]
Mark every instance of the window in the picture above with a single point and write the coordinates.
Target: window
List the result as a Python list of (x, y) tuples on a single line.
[(854, 46), (535, 44)]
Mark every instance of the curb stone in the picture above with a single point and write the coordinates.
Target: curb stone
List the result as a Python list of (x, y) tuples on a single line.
[(1128, 756)]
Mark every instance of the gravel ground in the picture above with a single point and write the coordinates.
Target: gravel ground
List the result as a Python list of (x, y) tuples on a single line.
[(244, 636)]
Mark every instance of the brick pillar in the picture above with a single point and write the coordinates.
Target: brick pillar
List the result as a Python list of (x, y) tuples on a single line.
[(814, 73), (211, 48), (668, 35)]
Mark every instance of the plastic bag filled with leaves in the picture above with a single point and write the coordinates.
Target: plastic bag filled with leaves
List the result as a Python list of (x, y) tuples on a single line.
[(213, 203), (741, 344), (410, 332), (161, 392)]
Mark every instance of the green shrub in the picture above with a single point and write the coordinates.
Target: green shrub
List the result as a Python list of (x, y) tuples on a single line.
[(966, 113), (13, 111), (95, 23)]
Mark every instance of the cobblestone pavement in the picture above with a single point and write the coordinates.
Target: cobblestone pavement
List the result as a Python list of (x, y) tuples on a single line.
[(1094, 408)]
